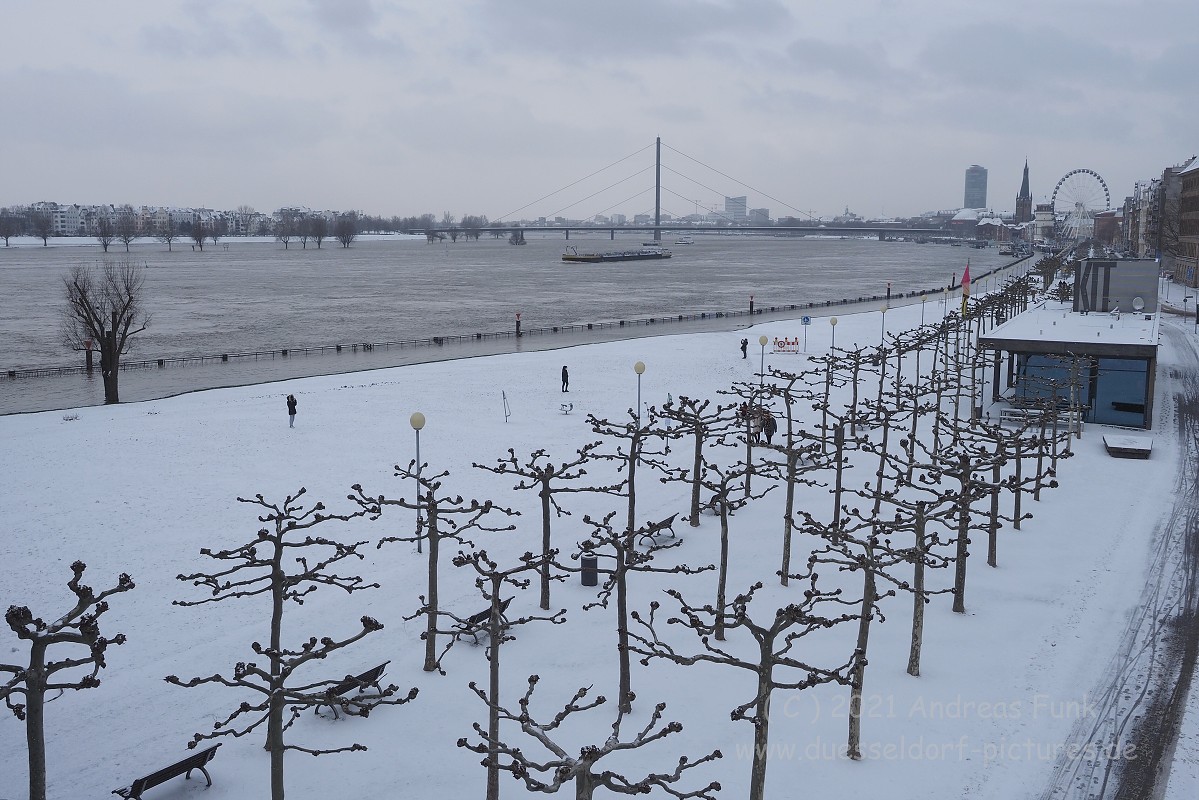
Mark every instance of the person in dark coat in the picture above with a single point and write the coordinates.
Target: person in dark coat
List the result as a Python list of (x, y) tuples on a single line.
[(744, 347), (769, 426), (291, 411), (565, 380)]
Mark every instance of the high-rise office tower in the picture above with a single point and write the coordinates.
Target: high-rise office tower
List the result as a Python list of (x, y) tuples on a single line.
[(976, 187)]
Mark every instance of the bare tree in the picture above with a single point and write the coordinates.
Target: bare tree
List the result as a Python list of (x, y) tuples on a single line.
[(318, 228), (690, 417), (629, 452), (106, 232), (166, 233), (345, 229), (439, 518), (285, 568), (562, 769), (775, 643), (539, 472), (491, 581), (126, 229), (285, 229), (10, 225), (107, 309), (304, 230), (199, 232), (619, 550), (78, 627), (42, 225)]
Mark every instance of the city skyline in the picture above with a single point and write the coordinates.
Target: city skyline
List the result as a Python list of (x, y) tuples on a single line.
[(399, 109)]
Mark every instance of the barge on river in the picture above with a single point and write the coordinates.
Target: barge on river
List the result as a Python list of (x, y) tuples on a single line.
[(644, 254)]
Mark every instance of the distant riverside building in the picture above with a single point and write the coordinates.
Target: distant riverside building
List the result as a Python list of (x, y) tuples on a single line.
[(759, 217), (1043, 221), (734, 208), (976, 187), (1023, 200)]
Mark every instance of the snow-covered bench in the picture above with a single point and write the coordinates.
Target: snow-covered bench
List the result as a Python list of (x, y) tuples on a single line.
[(352, 683), (195, 761)]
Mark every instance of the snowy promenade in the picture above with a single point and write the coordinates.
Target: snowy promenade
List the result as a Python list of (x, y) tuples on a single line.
[(140, 488)]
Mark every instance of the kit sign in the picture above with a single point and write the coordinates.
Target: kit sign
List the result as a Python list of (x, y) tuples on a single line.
[(786, 344)]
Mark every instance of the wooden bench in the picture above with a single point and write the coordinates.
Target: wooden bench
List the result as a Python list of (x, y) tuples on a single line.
[(1031, 418), (195, 761), (653, 530), (351, 683), (477, 624)]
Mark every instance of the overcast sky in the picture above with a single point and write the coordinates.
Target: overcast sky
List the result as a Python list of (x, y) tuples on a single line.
[(487, 107)]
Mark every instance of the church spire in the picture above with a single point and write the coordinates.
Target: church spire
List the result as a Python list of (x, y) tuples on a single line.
[(1024, 199)]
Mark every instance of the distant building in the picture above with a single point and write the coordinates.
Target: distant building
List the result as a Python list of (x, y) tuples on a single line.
[(642, 219), (619, 219), (734, 208), (1043, 222), (759, 217), (976, 187), (1023, 200), (1187, 262)]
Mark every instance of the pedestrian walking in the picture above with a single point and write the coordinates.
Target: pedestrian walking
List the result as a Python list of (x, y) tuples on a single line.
[(744, 347), (769, 426), (565, 380), (291, 411)]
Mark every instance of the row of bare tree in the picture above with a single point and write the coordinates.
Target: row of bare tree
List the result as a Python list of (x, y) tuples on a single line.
[(939, 473)]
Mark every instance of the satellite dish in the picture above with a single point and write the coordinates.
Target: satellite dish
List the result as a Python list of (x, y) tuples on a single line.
[(1138, 304)]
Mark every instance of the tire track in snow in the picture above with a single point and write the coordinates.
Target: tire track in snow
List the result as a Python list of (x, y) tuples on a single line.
[(1122, 750)]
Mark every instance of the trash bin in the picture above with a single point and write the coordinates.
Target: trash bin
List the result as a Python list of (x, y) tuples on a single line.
[(590, 565)]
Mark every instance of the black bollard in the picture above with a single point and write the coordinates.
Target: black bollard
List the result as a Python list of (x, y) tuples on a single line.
[(590, 573)]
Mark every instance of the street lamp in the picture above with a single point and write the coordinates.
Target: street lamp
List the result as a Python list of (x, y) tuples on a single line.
[(762, 340), (883, 334), (639, 368), (417, 421), (944, 302), (833, 322), (923, 300)]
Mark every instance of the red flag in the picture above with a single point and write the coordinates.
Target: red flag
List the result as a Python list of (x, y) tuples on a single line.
[(965, 286)]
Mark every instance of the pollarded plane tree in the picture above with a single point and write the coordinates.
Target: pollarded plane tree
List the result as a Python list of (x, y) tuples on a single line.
[(440, 518), (770, 652), (539, 472), (726, 484), (76, 634), (559, 769), (854, 545), (703, 423), (630, 449), (832, 379), (285, 564), (959, 464), (108, 309), (490, 582), (617, 548), (798, 451)]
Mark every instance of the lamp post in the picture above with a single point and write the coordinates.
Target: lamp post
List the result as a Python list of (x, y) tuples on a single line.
[(417, 421), (883, 334), (923, 300), (639, 368), (833, 322), (762, 340), (945, 302)]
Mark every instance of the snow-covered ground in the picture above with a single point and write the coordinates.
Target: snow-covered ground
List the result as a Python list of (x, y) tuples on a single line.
[(140, 488)]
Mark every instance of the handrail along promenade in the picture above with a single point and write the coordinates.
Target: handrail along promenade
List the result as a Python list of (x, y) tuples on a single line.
[(288, 352)]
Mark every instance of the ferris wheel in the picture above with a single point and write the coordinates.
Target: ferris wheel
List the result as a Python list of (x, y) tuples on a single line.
[(1077, 198)]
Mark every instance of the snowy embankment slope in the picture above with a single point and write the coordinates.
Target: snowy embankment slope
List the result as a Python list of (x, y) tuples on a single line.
[(141, 488)]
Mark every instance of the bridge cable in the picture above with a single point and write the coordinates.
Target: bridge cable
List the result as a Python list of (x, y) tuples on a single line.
[(741, 183), (598, 191), (575, 183)]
